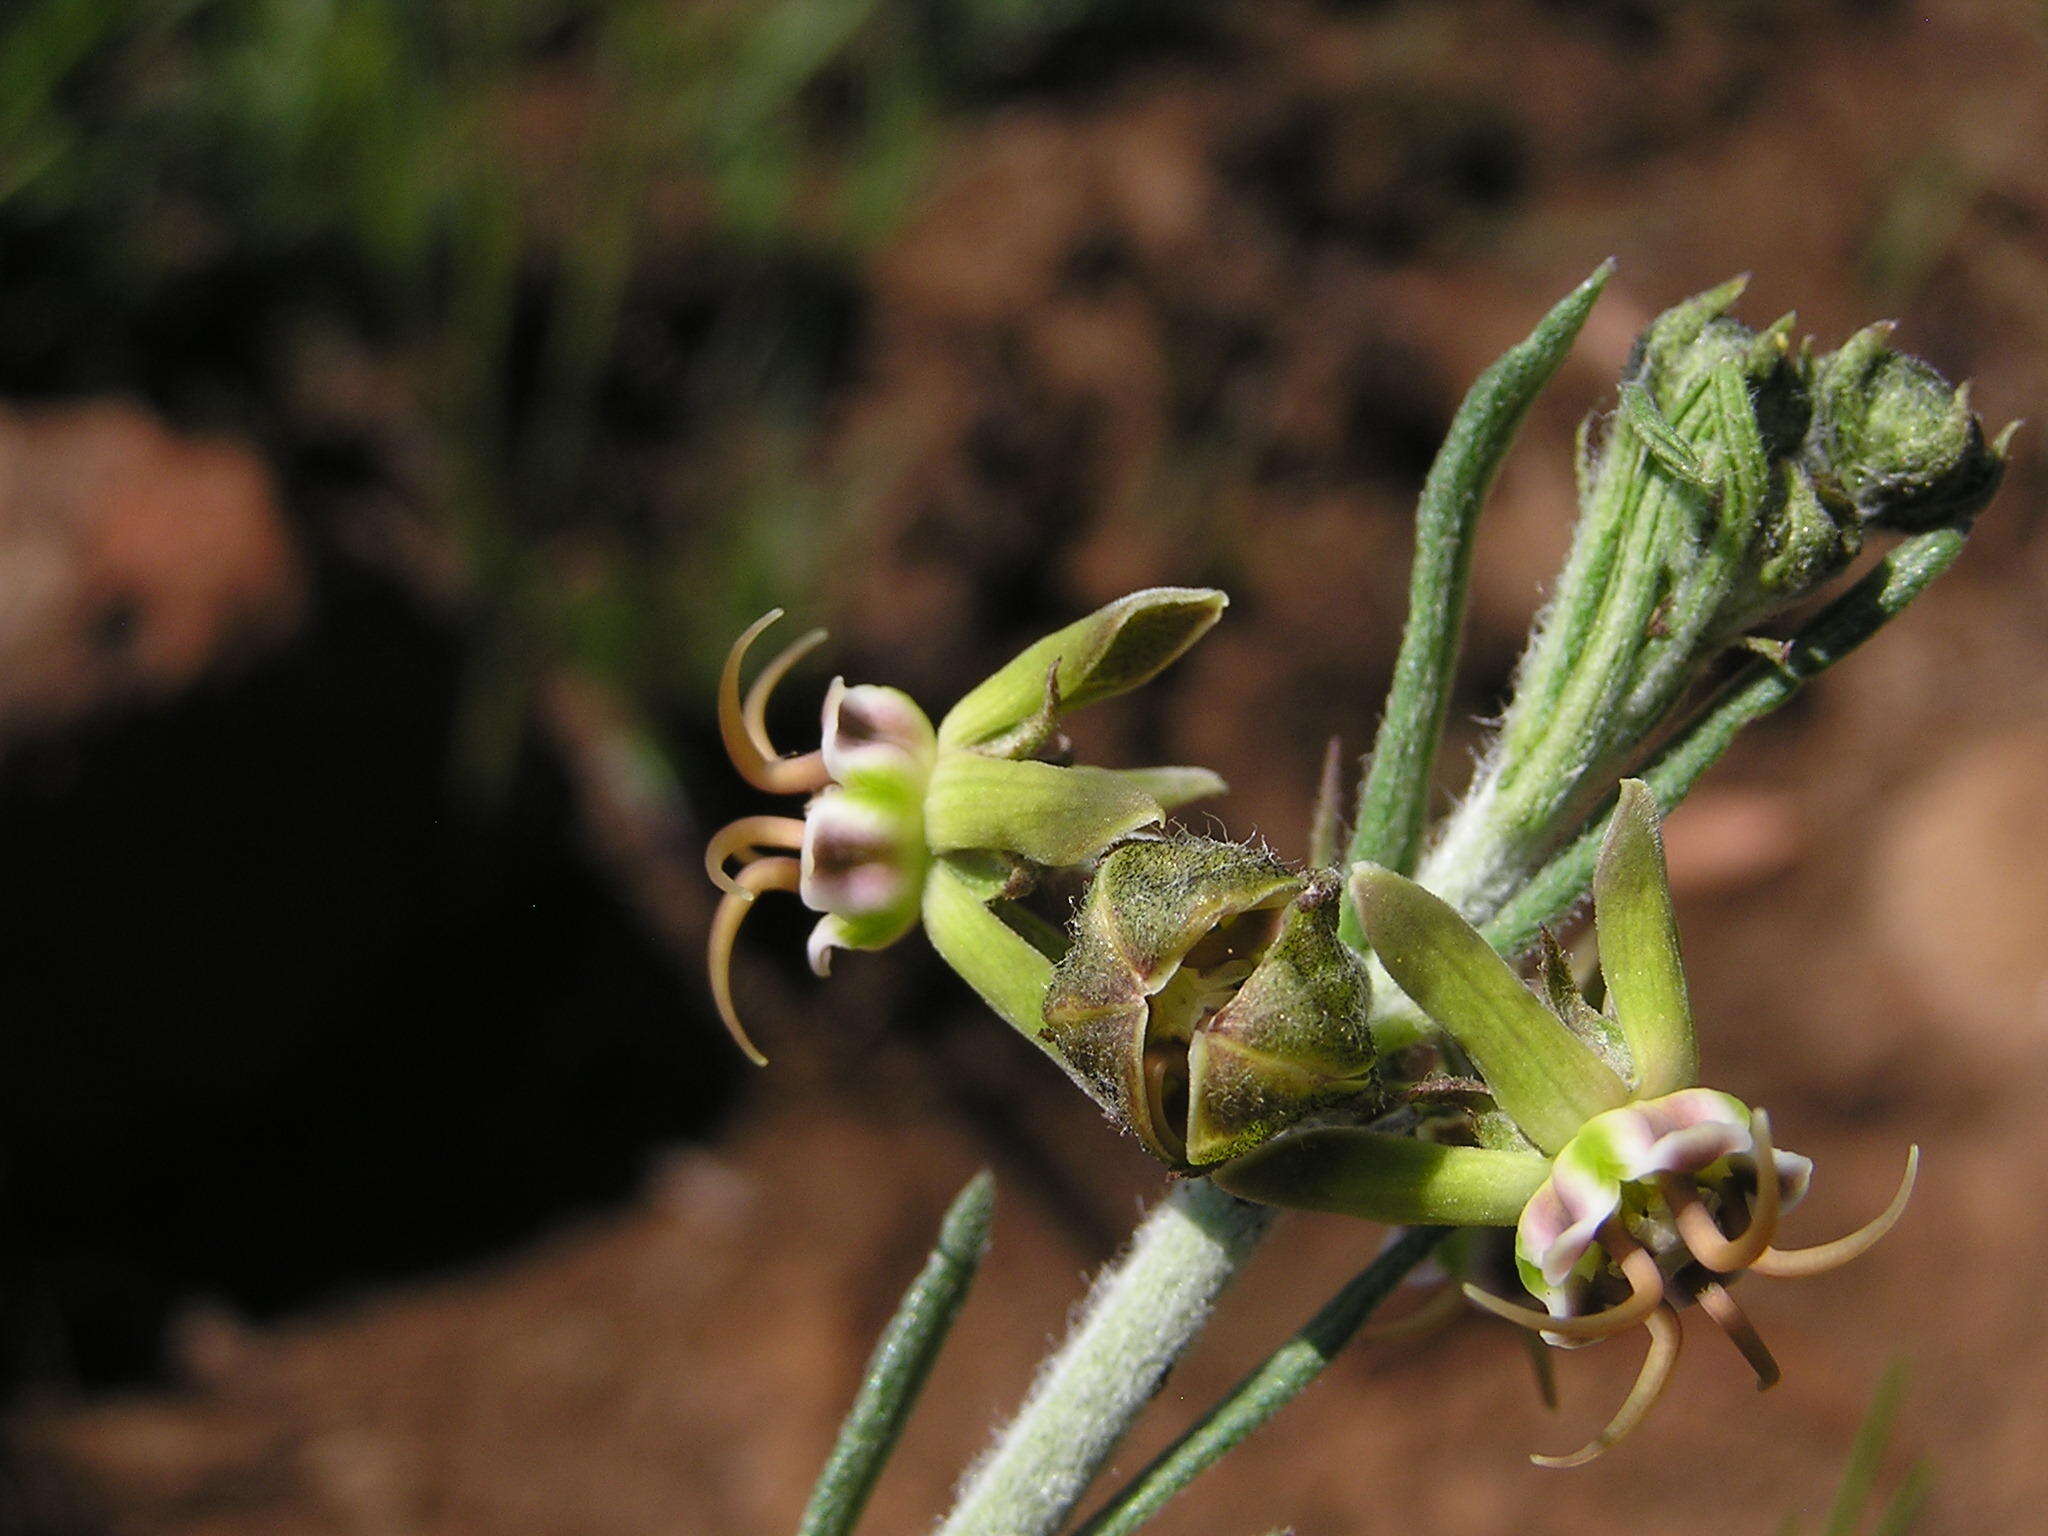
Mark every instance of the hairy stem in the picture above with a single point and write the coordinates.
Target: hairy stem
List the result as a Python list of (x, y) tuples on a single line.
[(1145, 1310)]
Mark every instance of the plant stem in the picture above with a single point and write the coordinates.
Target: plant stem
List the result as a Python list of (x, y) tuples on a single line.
[(1268, 1389), (902, 1360), (1764, 686), (1144, 1311), (1393, 804)]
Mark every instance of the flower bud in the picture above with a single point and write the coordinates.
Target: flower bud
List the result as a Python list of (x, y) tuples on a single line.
[(1893, 439), (1207, 1002)]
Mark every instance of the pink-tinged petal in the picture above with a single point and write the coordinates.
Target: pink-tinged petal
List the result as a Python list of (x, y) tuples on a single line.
[(874, 730), (852, 856), (1559, 1224), (1681, 1133)]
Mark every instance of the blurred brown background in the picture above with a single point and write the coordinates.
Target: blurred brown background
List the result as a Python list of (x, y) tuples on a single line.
[(403, 404)]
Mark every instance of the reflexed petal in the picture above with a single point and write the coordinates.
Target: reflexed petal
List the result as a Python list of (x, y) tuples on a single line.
[(875, 731), (1560, 1224), (1682, 1133), (859, 857), (1054, 816), (1639, 947), (1395, 1179), (1547, 1079), (1114, 649)]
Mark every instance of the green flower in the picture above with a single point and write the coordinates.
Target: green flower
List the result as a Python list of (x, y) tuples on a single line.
[(908, 823), (1631, 1189)]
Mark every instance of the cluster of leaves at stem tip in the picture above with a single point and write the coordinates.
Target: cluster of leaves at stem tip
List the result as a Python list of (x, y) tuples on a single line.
[(1354, 1035)]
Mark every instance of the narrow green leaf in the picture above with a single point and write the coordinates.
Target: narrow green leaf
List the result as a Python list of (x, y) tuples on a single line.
[(1116, 648), (1268, 1389), (1326, 822), (902, 1360), (1393, 803), (1670, 450), (1547, 1079), (1351, 1171), (1639, 947), (1003, 967), (1050, 815)]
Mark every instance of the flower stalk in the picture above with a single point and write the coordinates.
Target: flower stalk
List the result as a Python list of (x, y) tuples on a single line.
[(1143, 1313)]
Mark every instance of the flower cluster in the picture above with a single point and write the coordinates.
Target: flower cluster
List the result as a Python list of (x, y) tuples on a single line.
[(1631, 1189), (905, 822), (1204, 992)]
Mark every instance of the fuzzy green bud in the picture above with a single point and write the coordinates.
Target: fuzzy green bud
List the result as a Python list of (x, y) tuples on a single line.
[(1895, 440), (1206, 1001)]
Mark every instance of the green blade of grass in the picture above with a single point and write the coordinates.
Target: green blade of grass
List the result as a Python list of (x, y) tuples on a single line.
[(902, 1360), (1904, 1508)]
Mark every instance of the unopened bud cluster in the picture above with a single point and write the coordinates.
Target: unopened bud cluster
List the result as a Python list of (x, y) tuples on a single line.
[(1738, 473)]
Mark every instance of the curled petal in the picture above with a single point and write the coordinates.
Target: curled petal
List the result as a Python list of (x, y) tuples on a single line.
[(1704, 1238), (872, 730), (746, 743), (1665, 1338), (1639, 946), (1558, 1225), (1548, 1080), (1732, 1320), (1646, 1290), (859, 858), (984, 951), (1797, 1263), (746, 836), (1114, 649), (761, 875), (1049, 815)]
